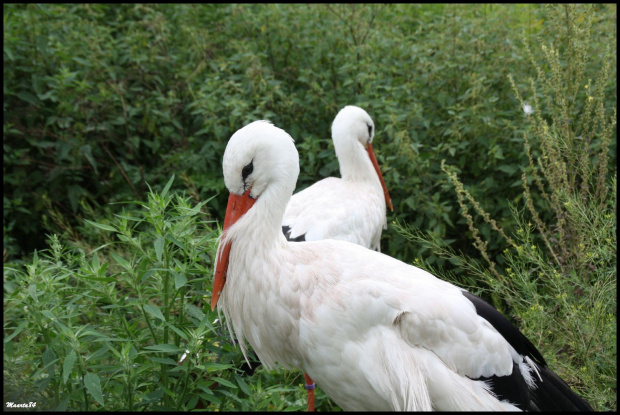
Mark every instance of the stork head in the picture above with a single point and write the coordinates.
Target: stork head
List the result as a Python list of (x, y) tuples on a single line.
[(351, 128), (261, 165), (353, 122), (259, 156)]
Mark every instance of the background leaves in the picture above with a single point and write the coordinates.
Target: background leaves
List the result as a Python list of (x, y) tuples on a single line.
[(102, 101)]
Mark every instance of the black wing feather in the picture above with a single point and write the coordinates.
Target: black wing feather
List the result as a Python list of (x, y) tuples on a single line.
[(553, 394), (516, 339), (511, 388), (287, 232), (550, 394)]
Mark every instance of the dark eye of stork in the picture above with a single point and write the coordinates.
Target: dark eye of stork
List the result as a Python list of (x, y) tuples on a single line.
[(247, 170), (369, 131)]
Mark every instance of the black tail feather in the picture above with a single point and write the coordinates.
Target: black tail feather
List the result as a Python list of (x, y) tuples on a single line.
[(553, 394)]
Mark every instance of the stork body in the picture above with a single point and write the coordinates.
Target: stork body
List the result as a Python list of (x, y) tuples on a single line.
[(373, 332), (350, 208)]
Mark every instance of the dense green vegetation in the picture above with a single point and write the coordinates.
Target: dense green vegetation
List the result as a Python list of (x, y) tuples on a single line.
[(107, 282)]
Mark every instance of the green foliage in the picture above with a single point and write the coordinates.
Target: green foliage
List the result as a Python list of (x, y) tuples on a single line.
[(569, 316), (126, 326), (572, 139), (550, 303), (100, 99), (558, 275)]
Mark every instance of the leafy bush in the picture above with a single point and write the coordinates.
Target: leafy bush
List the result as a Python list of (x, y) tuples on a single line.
[(558, 278), (106, 330), (101, 99)]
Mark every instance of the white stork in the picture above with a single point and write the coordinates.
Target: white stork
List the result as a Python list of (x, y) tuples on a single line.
[(372, 331), (351, 208)]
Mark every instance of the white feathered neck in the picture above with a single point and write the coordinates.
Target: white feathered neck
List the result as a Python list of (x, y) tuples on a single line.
[(350, 134)]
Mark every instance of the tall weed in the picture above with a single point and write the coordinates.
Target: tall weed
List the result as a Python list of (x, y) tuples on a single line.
[(557, 276), (125, 326)]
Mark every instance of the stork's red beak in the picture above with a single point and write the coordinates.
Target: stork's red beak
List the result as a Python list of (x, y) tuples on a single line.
[(371, 154), (237, 207)]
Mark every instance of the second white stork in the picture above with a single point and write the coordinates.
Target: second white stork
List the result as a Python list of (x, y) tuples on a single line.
[(350, 208), (372, 331)]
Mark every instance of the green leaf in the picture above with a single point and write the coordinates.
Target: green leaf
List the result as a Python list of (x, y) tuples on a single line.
[(67, 366), (102, 279), (92, 332), (280, 389), (48, 356), (225, 382), (62, 406), (49, 95), (74, 192), (163, 192), (8, 53), (113, 350), (147, 275), (122, 262), (29, 98), (16, 332), (179, 281), (510, 169), (243, 385), (86, 150), (48, 314), (159, 246), (44, 144), (196, 209), (154, 311), (93, 386), (192, 403), (32, 291), (120, 120), (204, 322), (154, 396), (177, 331), (177, 242), (211, 398), (102, 226), (94, 263), (42, 43), (215, 367), (166, 348), (194, 311), (203, 131), (498, 154), (230, 395), (165, 361), (82, 61)]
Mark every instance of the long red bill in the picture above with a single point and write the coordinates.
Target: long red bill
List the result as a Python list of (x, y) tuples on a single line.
[(238, 205), (371, 154)]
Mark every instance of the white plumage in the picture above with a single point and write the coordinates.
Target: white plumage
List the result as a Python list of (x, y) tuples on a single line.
[(374, 333), (350, 208)]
